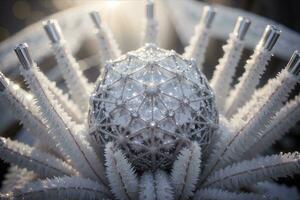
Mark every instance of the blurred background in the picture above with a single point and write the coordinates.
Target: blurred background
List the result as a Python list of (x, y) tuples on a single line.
[(18, 14)]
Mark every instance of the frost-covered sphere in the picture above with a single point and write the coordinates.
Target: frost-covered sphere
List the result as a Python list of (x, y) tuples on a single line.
[(152, 102)]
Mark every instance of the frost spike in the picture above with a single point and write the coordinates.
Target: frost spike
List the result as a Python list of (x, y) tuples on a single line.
[(77, 83), (60, 189), (107, 45), (16, 177), (155, 185), (33, 159), (71, 142), (256, 170), (150, 32), (287, 117), (67, 104), (251, 120), (254, 68), (199, 41), (121, 175), (24, 108), (218, 194), (185, 172), (282, 84), (225, 70)]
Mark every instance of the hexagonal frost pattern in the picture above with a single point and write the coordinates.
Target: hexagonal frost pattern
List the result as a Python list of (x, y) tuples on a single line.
[(151, 103)]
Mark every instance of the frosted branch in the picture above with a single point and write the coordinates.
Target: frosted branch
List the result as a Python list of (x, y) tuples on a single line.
[(287, 117), (121, 176), (70, 141), (76, 82), (218, 194), (249, 172), (155, 185), (31, 158), (198, 43), (254, 68), (225, 70), (60, 189), (185, 172), (107, 45)]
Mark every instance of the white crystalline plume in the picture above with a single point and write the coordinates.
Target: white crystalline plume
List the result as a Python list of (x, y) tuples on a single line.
[(153, 128)]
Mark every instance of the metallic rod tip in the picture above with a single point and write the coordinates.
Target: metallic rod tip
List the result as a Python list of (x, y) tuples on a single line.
[(294, 63), (3, 82), (23, 55), (241, 27), (208, 16), (53, 30), (269, 37), (150, 9), (96, 18)]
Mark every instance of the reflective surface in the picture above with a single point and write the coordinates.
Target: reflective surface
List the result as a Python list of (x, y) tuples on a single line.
[(152, 102)]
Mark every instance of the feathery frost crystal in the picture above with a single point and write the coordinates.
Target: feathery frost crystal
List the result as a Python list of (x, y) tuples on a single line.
[(150, 130)]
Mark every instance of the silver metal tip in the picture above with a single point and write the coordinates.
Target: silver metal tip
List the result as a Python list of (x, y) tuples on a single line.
[(53, 30), (241, 27), (3, 82), (270, 37), (294, 63), (208, 16), (150, 9), (96, 18), (24, 55)]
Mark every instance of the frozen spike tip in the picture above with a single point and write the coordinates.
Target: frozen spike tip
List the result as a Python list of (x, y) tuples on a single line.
[(53, 30), (270, 37), (150, 9), (294, 63), (208, 16), (24, 55), (241, 27), (96, 18), (3, 82)]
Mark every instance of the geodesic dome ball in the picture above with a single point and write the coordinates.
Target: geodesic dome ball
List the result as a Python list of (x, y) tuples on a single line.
[(152, 102)]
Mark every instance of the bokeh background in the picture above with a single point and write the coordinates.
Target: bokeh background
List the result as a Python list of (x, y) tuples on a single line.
[(18, 14)]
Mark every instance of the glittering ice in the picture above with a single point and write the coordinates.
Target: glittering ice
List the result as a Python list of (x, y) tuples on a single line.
[(156, 100)]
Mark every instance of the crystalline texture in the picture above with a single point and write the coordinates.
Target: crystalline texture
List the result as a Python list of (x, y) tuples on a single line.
[(151, 103)]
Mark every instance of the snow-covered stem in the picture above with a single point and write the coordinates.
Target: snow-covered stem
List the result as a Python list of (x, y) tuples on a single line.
[(185, 172), (155, 185), (233, 146), (225, 134), (63, 99), (23, 107), (244, 89), (60, 189), (218, 194), (254, 68), (76, 82), (15, 178), (198, 43), (150, 30), (108, 47), (286, 118), (70, 141), (24, 156), (252, 171), (282, 84), (247, 131), (225, 70), (120, 173)]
